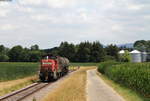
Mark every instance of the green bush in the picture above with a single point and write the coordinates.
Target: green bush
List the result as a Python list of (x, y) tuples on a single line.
[(132, 75), (12, 71)]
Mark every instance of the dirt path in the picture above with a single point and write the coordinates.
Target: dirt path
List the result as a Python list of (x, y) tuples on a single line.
[(98, 90)]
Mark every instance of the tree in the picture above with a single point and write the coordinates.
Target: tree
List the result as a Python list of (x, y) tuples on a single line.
[(2, 48), (67, 50), (25, 55), (112, 50), (97, 52), (4, 58), (83, 52), (54, 51), (3, 54), (142, 45), (34, 47), (16, 53), (35, 56)]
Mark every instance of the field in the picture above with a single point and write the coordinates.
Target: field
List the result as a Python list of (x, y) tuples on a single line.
[(17, 70), (135, 76), (13, 71)]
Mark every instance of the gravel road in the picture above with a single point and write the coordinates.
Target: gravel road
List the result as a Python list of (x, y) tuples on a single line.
[(98, 90)]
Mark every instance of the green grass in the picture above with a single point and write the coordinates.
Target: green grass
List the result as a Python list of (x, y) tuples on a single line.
[(13, 71), (84, 64), (126, 93)]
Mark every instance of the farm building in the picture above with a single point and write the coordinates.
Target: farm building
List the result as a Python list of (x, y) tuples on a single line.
[(144, 56), (148, 56), (137, 56), (121, 52)]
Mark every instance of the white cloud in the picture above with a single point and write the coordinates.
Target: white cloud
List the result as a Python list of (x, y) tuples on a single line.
[(4, 4), (4, 9), (3, 12), (50, 3), (60, 3), (116, 27), (24, 9), (135, 6), (41, 17), (31, 2), (7, 27), (147, 17)]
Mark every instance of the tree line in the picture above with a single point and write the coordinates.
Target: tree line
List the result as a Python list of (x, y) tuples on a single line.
[(20, 54), (82, 52), (142, 45), (86, 51)]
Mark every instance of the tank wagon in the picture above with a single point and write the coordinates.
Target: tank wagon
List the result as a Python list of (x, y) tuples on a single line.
[(53, 67)]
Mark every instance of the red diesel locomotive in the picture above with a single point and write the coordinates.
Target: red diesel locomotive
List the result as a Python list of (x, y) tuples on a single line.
[(53, 68)]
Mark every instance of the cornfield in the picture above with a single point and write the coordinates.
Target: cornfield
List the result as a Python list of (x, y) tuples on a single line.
[(132, 75)]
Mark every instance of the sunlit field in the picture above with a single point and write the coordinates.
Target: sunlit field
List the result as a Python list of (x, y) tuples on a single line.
[(13, 71)]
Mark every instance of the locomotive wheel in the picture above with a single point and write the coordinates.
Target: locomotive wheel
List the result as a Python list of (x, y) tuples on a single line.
[(55, 75), (42, 77), (50, 77)]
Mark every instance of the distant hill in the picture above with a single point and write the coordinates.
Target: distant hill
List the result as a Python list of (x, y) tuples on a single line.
[(127, 45)]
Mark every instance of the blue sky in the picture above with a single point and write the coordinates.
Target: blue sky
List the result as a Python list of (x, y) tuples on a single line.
[(48, 22)]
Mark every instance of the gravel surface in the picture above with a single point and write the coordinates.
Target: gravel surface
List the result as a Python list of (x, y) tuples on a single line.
[(98, 90), (44, 91)]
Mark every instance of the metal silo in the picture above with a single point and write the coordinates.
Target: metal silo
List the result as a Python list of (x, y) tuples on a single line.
[(144, 56), (136, 56), (148, 57), (121, 52)]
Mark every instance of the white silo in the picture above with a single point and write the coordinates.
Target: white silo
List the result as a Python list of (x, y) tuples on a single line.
[(136, 56), (121, 52), (144, 56)]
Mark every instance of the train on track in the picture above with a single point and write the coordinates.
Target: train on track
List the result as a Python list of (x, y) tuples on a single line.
[(53, 67)]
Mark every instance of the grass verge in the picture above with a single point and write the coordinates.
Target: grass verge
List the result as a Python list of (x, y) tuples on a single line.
[(126, 93), (71, 89), (10, 86)]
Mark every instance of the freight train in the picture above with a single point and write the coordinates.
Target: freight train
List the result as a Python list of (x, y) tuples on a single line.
[(53, 67)]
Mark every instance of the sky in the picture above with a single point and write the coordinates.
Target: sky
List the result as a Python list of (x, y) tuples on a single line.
[(49, 22)]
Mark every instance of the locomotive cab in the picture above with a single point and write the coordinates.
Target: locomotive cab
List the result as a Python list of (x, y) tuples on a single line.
[(47, 69), (53, 67)]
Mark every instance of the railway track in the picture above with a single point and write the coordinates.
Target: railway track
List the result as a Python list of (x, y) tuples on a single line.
[(23, 93)]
